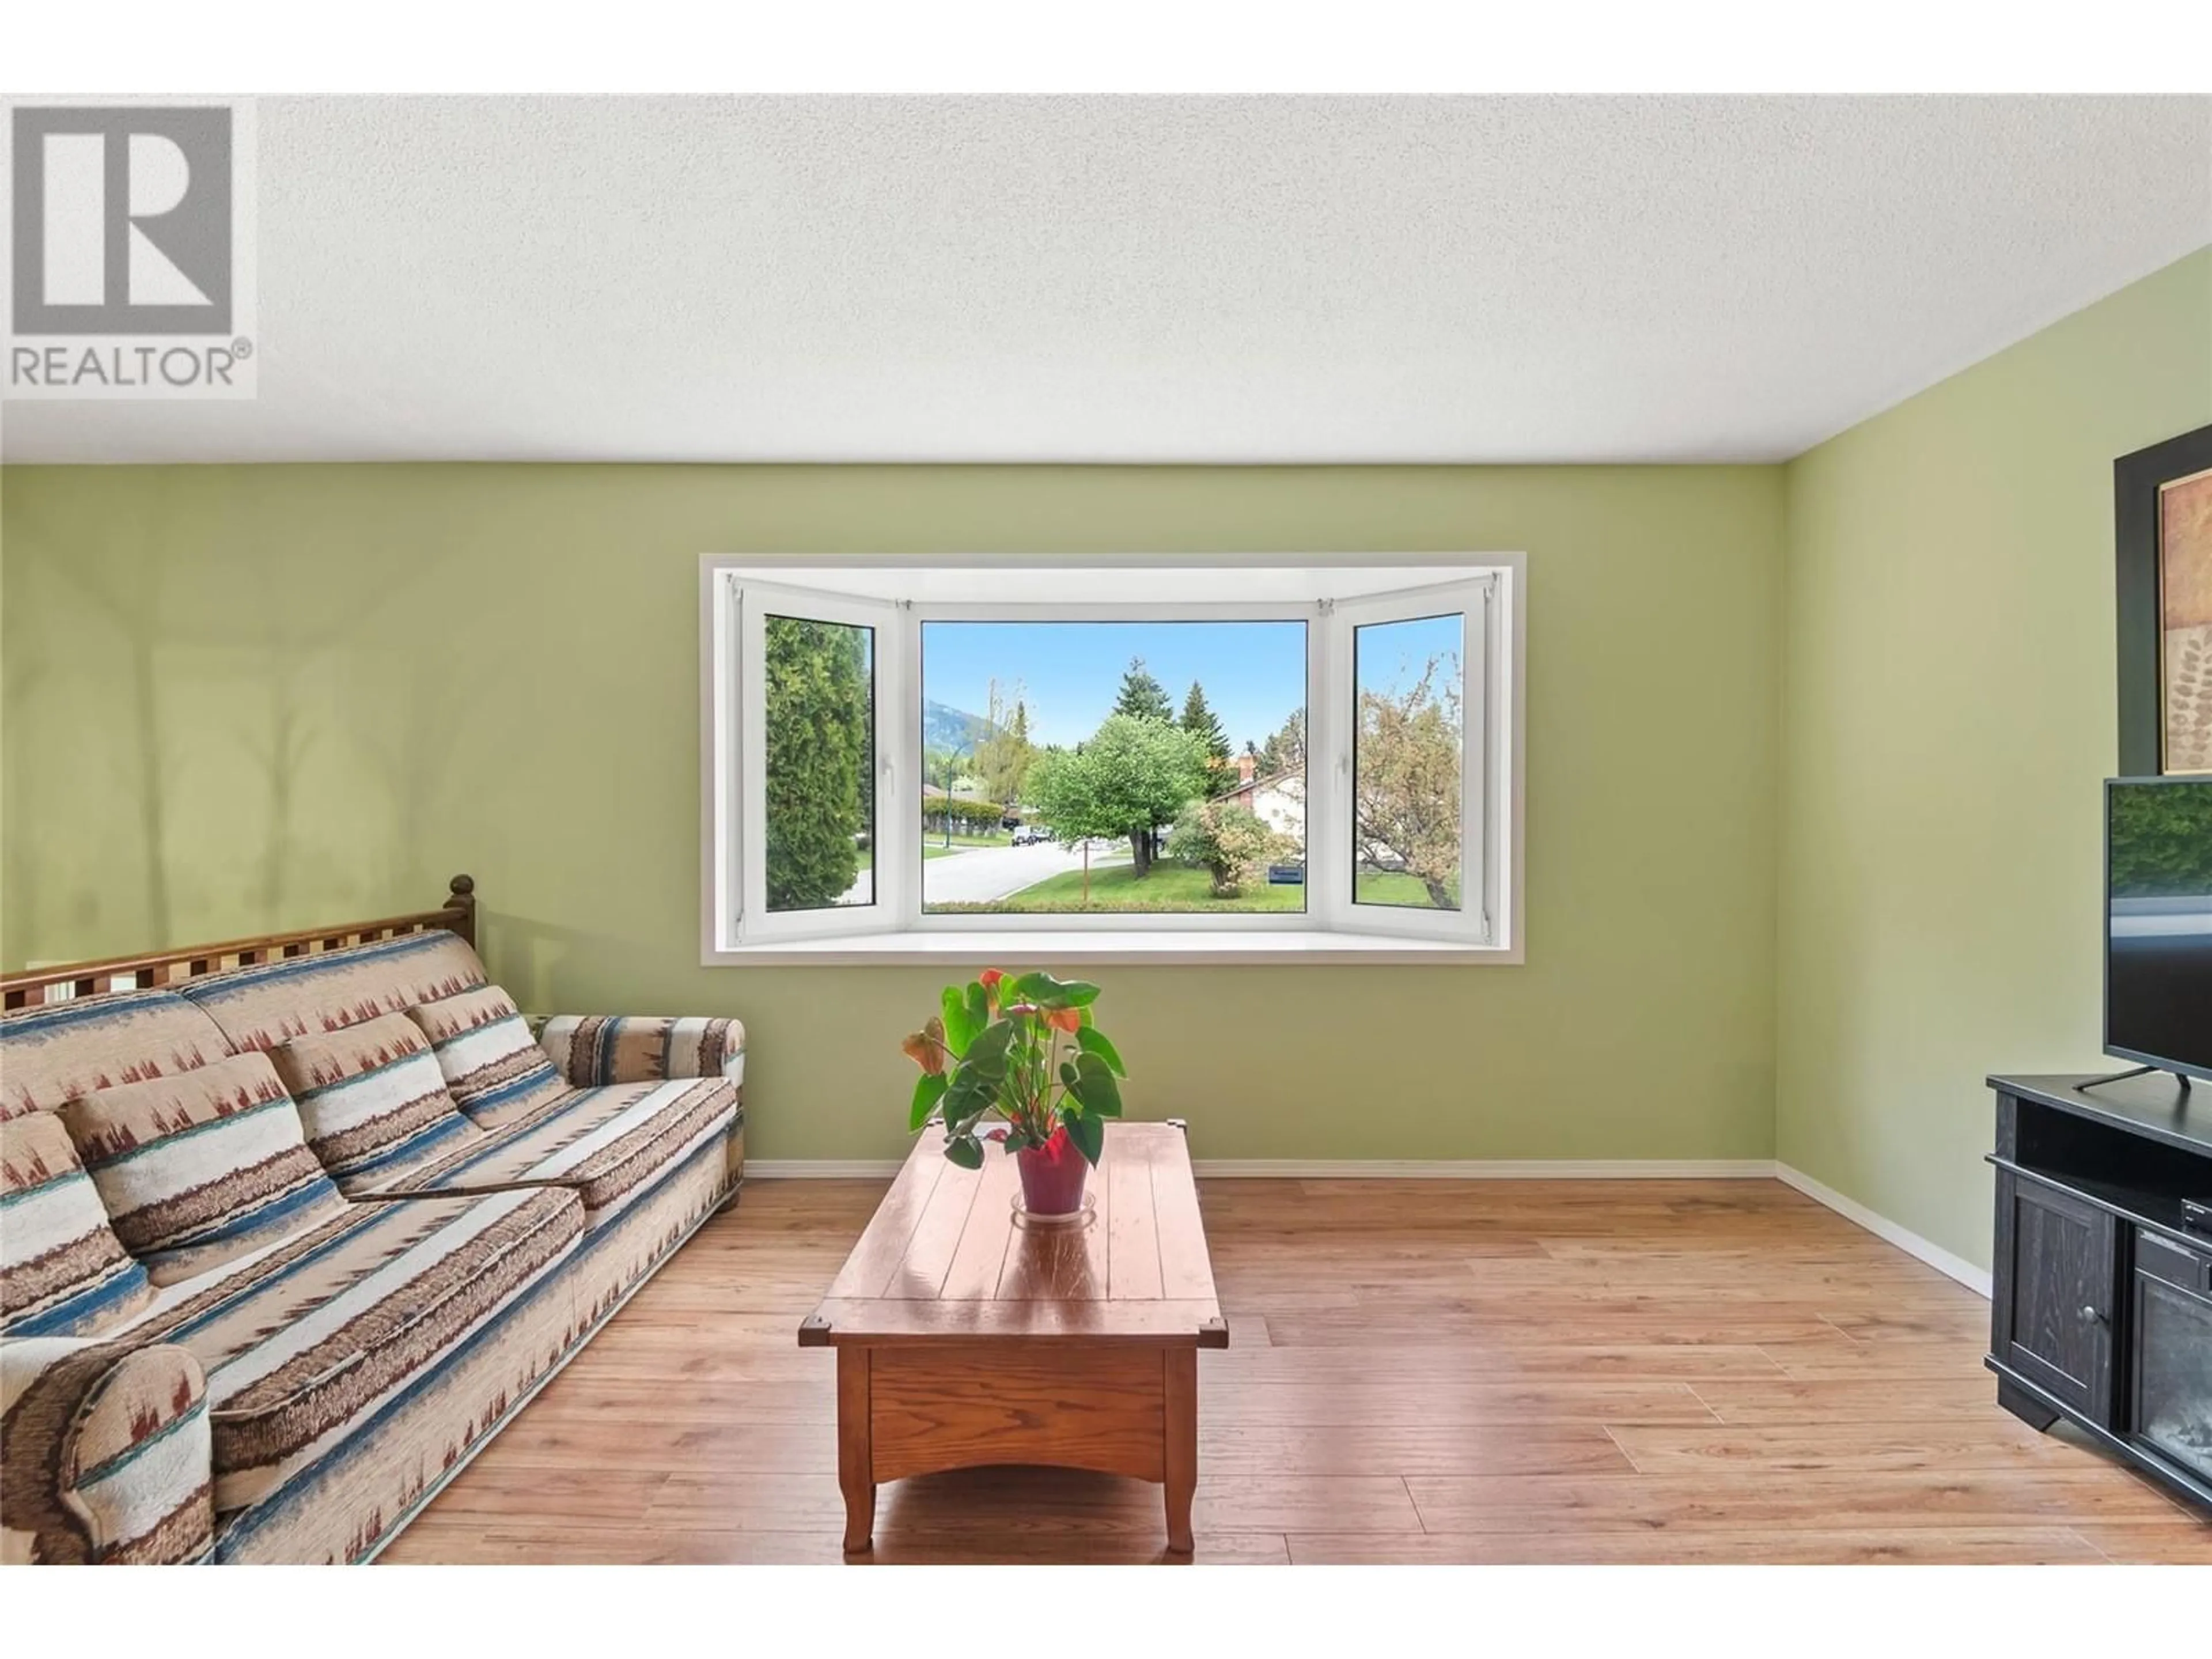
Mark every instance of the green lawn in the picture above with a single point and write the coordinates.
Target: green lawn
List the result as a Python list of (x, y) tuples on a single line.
[(933, 847), (1382, 887), (1115, 887)]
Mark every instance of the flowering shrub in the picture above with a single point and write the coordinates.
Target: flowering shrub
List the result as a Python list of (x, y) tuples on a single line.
[(1228, 841), (1024, 1047)]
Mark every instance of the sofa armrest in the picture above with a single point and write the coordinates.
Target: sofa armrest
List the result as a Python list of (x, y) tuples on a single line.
[(590, 1050), (105, 1452)]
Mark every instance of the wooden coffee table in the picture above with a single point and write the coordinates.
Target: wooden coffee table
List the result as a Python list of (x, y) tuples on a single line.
[(966, 1336)]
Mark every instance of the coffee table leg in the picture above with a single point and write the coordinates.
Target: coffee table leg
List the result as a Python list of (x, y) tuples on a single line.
[(855, 1454), (1182, 1458)]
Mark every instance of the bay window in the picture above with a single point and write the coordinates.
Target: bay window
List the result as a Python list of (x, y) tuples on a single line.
[(1159, 758)]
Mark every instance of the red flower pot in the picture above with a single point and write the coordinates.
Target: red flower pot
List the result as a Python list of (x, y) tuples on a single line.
[(1052, 1176)]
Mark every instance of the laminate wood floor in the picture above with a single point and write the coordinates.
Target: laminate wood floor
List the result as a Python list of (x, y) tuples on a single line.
[(1419, 1372)]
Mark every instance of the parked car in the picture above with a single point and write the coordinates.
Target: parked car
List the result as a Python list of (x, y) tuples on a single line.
[(1029, 834)]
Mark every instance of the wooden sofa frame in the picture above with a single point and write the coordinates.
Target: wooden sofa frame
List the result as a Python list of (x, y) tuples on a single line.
[(35, 987)]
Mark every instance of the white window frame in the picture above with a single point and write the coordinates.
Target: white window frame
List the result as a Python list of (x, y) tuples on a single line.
[(1476, 599), (894, 841), (737, 592)]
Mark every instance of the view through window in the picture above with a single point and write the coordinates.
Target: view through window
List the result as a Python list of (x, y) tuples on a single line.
[(1249, 759), (820, 758), (1113, 766), (1407, 758)]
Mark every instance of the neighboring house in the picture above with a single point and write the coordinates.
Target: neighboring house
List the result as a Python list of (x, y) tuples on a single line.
[(1279, 801)]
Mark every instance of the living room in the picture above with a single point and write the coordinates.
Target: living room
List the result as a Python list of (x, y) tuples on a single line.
[(1532, 757)]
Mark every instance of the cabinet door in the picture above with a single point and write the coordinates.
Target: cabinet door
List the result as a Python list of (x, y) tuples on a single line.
[(2057, 1301)]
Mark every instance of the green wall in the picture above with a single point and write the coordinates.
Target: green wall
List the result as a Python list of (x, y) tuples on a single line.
[(242, 697), (1948, 714)]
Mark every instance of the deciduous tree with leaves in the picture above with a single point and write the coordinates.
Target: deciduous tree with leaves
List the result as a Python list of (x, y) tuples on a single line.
[(1406, 786), (1131, 778), (1003, 759)]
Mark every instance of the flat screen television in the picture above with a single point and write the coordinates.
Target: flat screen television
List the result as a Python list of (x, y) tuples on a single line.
[(2157, 923)]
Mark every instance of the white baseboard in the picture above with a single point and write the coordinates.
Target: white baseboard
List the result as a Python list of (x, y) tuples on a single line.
[(1955, 1266), (1349, 1169), (821, 1169), (1484, 1169)]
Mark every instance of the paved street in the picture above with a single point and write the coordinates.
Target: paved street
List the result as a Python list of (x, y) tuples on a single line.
[(992, 873), (983, 873)]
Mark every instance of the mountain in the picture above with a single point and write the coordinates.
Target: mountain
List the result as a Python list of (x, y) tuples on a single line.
[(944, 726)]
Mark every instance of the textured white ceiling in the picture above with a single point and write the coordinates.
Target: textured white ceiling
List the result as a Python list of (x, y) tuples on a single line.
[(1157, 279)]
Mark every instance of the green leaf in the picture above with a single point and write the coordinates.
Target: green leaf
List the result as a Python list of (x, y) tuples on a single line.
[(1089, 1134), (1093, 1086), (928, 1088), (1045, 992), (986, 1052), (969, 1098), (967, 1153), (959, 1030), (979, 1006), (1092, 1040)]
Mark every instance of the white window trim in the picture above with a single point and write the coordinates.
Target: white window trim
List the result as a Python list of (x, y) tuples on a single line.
[(1331, 593)]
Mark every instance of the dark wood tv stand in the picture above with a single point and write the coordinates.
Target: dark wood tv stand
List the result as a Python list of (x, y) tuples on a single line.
[(2100, 1306)]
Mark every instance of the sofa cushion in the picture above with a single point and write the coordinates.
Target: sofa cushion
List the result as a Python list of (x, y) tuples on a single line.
[(108, 1453), (63, 1271), (259, 1007), (373, 1102), (51, 1054), (198, 1170), (308, 1341), (498, 1074), (607, 1145), (594, 1049)]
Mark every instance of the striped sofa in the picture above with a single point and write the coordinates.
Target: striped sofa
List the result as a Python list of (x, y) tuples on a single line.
[(286, 1363)]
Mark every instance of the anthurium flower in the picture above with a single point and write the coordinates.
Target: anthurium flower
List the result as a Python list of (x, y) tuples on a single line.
[(925, 1047), (1069, 1020)]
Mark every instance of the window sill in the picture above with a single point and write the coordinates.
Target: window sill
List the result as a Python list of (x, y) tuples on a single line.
[(1157, 947)]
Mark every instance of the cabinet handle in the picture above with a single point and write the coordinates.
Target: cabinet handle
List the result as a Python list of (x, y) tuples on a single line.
[(2089, 1315)]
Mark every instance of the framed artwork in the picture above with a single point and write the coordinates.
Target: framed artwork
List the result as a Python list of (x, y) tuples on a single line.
[(2162, 526)]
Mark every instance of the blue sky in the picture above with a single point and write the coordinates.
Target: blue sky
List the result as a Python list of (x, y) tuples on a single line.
[(1254, 673), (1391, 656)]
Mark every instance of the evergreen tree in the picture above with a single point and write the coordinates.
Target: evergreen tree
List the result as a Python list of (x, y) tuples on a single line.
[(1202, 723), (820, 787), (1286, 749), (1142, 696)]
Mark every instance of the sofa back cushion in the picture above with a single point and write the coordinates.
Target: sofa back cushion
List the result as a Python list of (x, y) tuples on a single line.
[(199, 1169), (497, 1073), (51, 1055), (63, 1271), (373, 1102), (261, 1006)]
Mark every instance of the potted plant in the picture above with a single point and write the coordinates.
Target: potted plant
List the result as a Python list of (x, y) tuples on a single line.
[(1026, 1048)]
